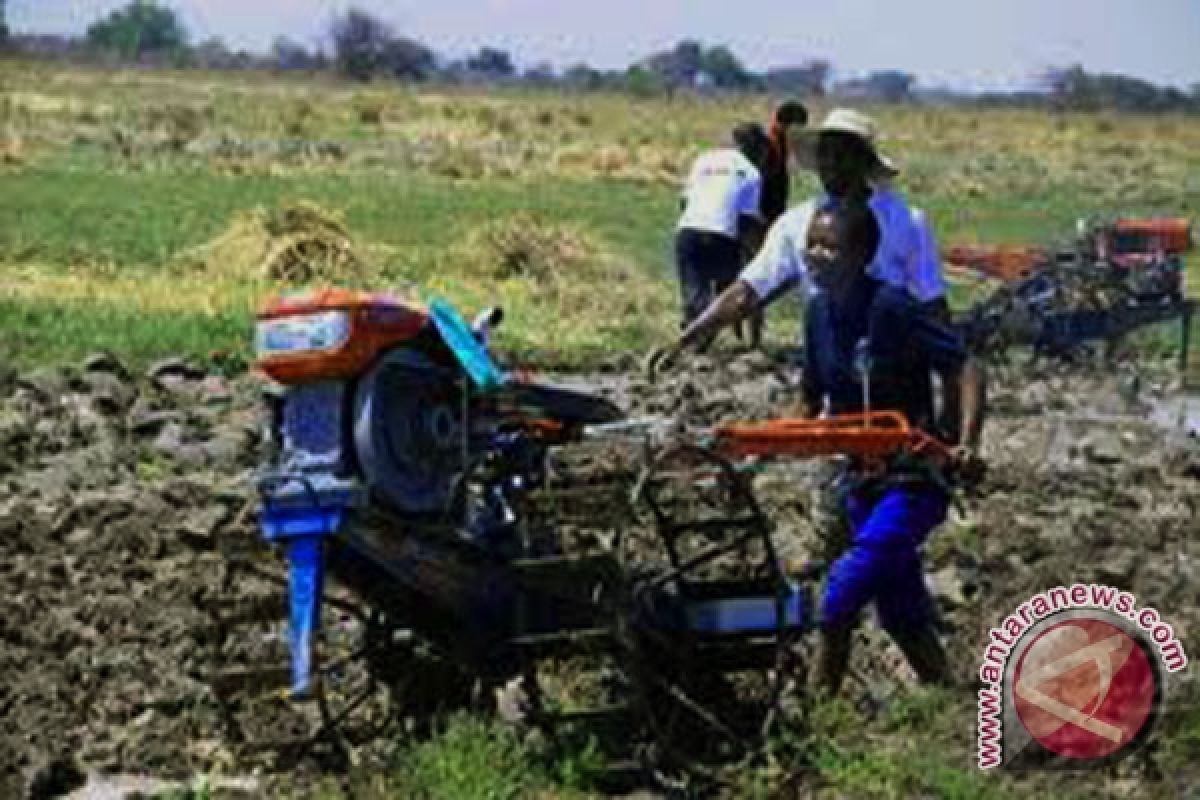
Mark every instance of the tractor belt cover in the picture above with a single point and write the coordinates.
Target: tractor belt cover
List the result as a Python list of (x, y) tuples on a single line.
[(331, 334)]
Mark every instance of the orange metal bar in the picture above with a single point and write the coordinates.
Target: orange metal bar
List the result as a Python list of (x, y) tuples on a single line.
[(878, 433)]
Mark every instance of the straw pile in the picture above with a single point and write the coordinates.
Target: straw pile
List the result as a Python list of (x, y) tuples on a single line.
[(562, 271), (298, 243)]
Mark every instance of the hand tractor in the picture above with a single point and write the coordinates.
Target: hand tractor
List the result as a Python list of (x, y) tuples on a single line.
[(455, 508), (1117, 277)]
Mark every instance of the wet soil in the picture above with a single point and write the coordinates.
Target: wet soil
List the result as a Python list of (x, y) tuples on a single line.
[(127, 513)]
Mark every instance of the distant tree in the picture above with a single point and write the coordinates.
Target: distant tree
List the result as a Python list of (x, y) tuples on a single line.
[(360, 41), (643, 82), (690, 64), (1076, 89), (408, 59), (541, 74), (678, 67), (890, 85), (287, 54), (3, 25), (213, 53), (726, 70), (809, 78), (582, 76), (140, 28), (365, 45), (1069, 87), (492, 62)]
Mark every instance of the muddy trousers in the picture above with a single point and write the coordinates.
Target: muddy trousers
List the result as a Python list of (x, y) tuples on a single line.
[(883, 566)]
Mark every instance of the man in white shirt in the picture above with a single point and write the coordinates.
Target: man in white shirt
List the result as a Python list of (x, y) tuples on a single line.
[(851, 168), (720, 217)]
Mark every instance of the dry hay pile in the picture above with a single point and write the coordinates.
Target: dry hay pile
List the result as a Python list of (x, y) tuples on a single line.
[(296, 244), (644, 164), (13, 152), (563, 271)]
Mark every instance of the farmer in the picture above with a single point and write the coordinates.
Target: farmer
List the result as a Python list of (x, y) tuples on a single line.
[(892, 510), (776, 176), (776, 183), (720, 218), (849, 165)]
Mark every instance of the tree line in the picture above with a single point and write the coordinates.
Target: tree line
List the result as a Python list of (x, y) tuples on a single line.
[(362, 46)]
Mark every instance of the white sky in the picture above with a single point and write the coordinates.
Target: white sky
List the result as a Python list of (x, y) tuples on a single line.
[(960, 43)]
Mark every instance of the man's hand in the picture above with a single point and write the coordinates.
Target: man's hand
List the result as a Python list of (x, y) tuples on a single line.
[(659, 359)]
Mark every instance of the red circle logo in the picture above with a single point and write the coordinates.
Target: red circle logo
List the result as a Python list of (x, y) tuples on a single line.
[(1084, 688)]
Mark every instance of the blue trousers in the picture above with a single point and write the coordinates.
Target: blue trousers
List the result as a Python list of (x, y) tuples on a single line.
[(883, 565)]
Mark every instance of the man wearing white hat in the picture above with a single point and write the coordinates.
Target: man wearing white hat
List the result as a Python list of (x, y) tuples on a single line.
[(851, 167)]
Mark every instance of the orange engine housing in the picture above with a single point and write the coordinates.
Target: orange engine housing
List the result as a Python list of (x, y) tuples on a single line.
[(376, 322), (1172, 235)]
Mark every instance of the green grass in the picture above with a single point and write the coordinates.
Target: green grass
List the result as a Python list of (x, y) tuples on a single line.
[(471, 758), (38, 332), (61, 214), (72, 204)]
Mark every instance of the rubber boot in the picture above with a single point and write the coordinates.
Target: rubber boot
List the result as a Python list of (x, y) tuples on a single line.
[(924, 652)]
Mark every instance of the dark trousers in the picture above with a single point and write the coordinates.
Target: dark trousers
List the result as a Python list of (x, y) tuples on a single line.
[(706, 263)]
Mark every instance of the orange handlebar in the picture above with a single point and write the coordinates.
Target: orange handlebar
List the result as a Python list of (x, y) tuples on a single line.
[(877, 433)]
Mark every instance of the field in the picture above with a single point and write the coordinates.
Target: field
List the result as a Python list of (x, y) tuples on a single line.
[(115, 183), (148, 214)]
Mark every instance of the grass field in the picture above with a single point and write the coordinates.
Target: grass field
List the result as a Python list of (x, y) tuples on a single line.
[(112, 180)]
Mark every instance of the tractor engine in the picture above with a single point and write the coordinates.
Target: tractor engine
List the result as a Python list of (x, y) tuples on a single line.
[(368, 403), (384, 403)]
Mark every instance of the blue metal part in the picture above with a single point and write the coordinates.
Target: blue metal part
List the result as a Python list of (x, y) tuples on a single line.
[(729, 612), (281, 521), (312, 423), (306, 573), (734, 615), (469, 351), (303, 530)]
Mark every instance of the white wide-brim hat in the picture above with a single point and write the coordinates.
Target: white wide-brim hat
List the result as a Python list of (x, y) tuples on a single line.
[(853, 123)]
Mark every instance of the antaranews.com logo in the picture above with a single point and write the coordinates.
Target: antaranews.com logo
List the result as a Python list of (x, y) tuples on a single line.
[(1074, 675)]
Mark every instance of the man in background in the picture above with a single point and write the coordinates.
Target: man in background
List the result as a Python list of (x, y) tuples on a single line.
[(721, 217), (775, 189)]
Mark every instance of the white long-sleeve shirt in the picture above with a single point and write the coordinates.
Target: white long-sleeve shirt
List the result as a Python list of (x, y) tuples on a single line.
[(907, 256)]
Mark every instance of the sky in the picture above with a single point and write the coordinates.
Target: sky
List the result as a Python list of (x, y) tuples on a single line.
[(965, 44)]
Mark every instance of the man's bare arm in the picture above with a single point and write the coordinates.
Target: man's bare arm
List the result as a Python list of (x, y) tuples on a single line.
[(733, 305)]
